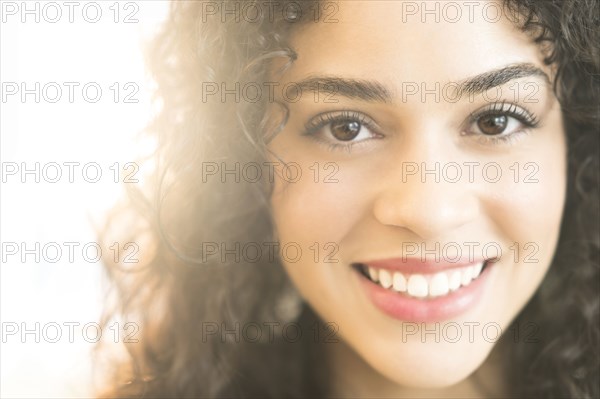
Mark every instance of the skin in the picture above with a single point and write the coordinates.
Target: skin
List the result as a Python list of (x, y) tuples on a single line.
[(370, 210)]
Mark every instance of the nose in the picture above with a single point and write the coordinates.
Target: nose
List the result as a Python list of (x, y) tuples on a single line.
[(429, 205)]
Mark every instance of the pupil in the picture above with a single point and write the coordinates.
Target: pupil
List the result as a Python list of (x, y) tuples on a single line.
[(345, 131), (493, 125)]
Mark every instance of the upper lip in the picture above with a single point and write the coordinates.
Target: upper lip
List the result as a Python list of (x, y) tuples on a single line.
[(418, 265)]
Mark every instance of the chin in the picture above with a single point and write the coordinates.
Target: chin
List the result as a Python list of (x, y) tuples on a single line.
[(437, 366)]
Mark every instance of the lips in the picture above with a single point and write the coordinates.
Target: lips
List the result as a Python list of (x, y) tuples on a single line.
[(424, 297), (422, 285)]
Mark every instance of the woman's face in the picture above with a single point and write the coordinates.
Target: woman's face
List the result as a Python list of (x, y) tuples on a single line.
[(432, 149)]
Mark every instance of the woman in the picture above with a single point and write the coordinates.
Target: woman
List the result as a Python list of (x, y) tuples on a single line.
[(368, 199)]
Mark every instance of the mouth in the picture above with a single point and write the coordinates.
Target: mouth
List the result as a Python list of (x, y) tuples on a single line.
[(425, 285), (429, 296)]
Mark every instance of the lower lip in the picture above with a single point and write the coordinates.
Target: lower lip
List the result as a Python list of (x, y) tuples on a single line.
[(427, 310)]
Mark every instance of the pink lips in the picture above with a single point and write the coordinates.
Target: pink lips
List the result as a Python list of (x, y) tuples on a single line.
[(427, 310)]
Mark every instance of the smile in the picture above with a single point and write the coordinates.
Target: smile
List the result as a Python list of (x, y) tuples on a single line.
[(427, 292), (418, 285)]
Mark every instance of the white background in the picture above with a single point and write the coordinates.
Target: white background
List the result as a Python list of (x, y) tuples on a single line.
[(103, 52)]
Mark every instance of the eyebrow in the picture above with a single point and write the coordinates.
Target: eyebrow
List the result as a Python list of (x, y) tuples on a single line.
[(366, 90), (375, 91), (498, 77)]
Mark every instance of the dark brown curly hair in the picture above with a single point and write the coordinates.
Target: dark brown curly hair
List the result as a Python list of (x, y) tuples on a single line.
[(171, 293)]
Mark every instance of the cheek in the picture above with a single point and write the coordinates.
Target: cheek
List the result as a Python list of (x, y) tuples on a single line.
[(316, 213), (531, 212), (322, 206), (527, 216)]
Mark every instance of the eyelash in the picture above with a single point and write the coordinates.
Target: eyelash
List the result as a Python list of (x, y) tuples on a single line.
[(528, 119), (312, 127)]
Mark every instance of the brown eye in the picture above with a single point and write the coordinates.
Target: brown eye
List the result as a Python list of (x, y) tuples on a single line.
[(345, 130), (492, 125), (342, 129)]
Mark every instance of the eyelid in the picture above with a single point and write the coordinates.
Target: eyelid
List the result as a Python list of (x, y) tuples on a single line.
[(504, 108), (521, 114), (314, 126), (324, 118)]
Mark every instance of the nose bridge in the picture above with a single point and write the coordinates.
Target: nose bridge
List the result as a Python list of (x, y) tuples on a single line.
[(428, 195)]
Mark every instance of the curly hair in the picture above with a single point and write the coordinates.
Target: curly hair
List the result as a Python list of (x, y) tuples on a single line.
[(177, 288)]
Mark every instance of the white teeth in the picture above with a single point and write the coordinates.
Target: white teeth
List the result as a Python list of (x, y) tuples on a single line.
[(417, 286), (399, 282), (423, 285), (454, 282), (466, 275), (477, 269), (374, 274), (439, 285), (385, 278)]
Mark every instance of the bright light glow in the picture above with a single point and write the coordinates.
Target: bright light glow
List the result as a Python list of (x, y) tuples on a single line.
[(105, 54)]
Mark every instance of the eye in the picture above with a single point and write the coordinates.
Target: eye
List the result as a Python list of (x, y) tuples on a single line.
[(493, 125), (343, 128), (500, 121), (347, 130)]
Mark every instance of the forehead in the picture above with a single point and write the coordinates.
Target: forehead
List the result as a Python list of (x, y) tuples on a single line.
[(399, 41)]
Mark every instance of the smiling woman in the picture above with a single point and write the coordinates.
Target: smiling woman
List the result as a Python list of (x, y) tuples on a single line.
[(409, 210)]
